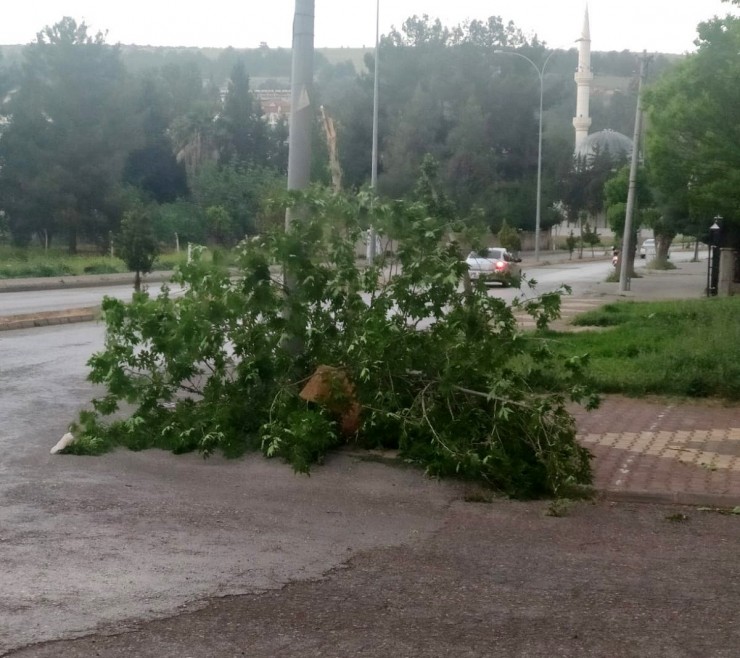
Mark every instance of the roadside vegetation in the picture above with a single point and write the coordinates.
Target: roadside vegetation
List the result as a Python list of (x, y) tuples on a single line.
[(687, 348), (19, 262)]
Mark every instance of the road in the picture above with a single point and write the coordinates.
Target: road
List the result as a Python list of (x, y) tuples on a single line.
[(35, 301), (581, 275)]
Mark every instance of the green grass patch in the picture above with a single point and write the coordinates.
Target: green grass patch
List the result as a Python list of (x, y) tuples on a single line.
[(682, 348), (168, 261), (36, 262), (16, 263)]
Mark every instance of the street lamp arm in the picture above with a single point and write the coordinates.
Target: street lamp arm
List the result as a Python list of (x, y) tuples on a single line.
[(540, 70), (516, 54)]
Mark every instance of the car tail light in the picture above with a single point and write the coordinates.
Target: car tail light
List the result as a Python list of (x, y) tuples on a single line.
[(500, 266)]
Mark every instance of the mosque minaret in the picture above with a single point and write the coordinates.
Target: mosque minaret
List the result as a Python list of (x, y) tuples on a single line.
[(584, 77)]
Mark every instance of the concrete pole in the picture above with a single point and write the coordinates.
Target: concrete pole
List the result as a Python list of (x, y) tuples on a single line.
[(374, 167), (301, 99), (538, 212), (624, 273), (301, 119)]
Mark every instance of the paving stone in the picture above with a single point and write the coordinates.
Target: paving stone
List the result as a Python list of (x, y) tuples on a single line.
[(674, 452)]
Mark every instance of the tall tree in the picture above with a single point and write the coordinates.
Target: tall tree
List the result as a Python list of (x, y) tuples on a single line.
[(69, 133), (242, 133), (153, 168), (191, 105), (583, 187), (693, 143), (444, 92)]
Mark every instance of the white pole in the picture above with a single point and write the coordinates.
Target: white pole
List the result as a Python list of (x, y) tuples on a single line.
[(624, 278), (301, 100), (374, 167), (538, 212)]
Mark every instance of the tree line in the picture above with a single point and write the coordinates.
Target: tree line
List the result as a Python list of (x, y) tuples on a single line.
[(87, 134), (84, 141)]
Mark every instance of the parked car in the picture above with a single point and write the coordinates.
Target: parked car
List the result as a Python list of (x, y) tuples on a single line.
[(494, 265), (648, 249)]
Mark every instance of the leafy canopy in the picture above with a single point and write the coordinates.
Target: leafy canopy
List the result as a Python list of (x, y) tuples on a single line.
[(693, 142)]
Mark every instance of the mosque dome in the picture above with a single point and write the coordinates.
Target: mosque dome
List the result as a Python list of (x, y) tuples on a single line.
[(617, 144)]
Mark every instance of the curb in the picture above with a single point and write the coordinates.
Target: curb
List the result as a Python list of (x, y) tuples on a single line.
[(719, 501), (49, 318), (66, 316), (81, 281)]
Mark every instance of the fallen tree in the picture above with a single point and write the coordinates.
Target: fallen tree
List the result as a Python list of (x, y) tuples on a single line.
[(435, 368)]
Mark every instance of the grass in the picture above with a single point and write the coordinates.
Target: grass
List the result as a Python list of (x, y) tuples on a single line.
[(660, 264), (36, 262), (685, 348)]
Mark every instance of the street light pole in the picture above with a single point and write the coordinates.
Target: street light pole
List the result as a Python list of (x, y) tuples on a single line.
[(712, 263), (374, 167), (301, 99), (538, 212)]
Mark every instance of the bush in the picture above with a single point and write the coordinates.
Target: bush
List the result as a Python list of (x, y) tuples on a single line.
[(136, 244), (439, 369), (100, 268), (509, 238)]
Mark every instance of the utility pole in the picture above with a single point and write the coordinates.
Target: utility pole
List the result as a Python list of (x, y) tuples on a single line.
[(299, 132), (371, 234), (301, 98), (626, 260)]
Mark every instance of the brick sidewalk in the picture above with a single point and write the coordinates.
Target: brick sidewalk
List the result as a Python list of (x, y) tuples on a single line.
[(680, 452)]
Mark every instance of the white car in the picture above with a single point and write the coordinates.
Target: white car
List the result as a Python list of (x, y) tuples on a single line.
[(494, 264), (648, 248)]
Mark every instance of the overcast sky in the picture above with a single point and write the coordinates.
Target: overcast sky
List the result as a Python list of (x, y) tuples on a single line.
[(655, 25)]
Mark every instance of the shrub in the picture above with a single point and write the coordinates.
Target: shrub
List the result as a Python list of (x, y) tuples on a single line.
[(509, 238), (137, 244)]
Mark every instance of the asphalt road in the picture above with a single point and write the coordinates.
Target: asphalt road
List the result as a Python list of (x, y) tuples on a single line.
[(582, 275), (34, 301), (92, 542)]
